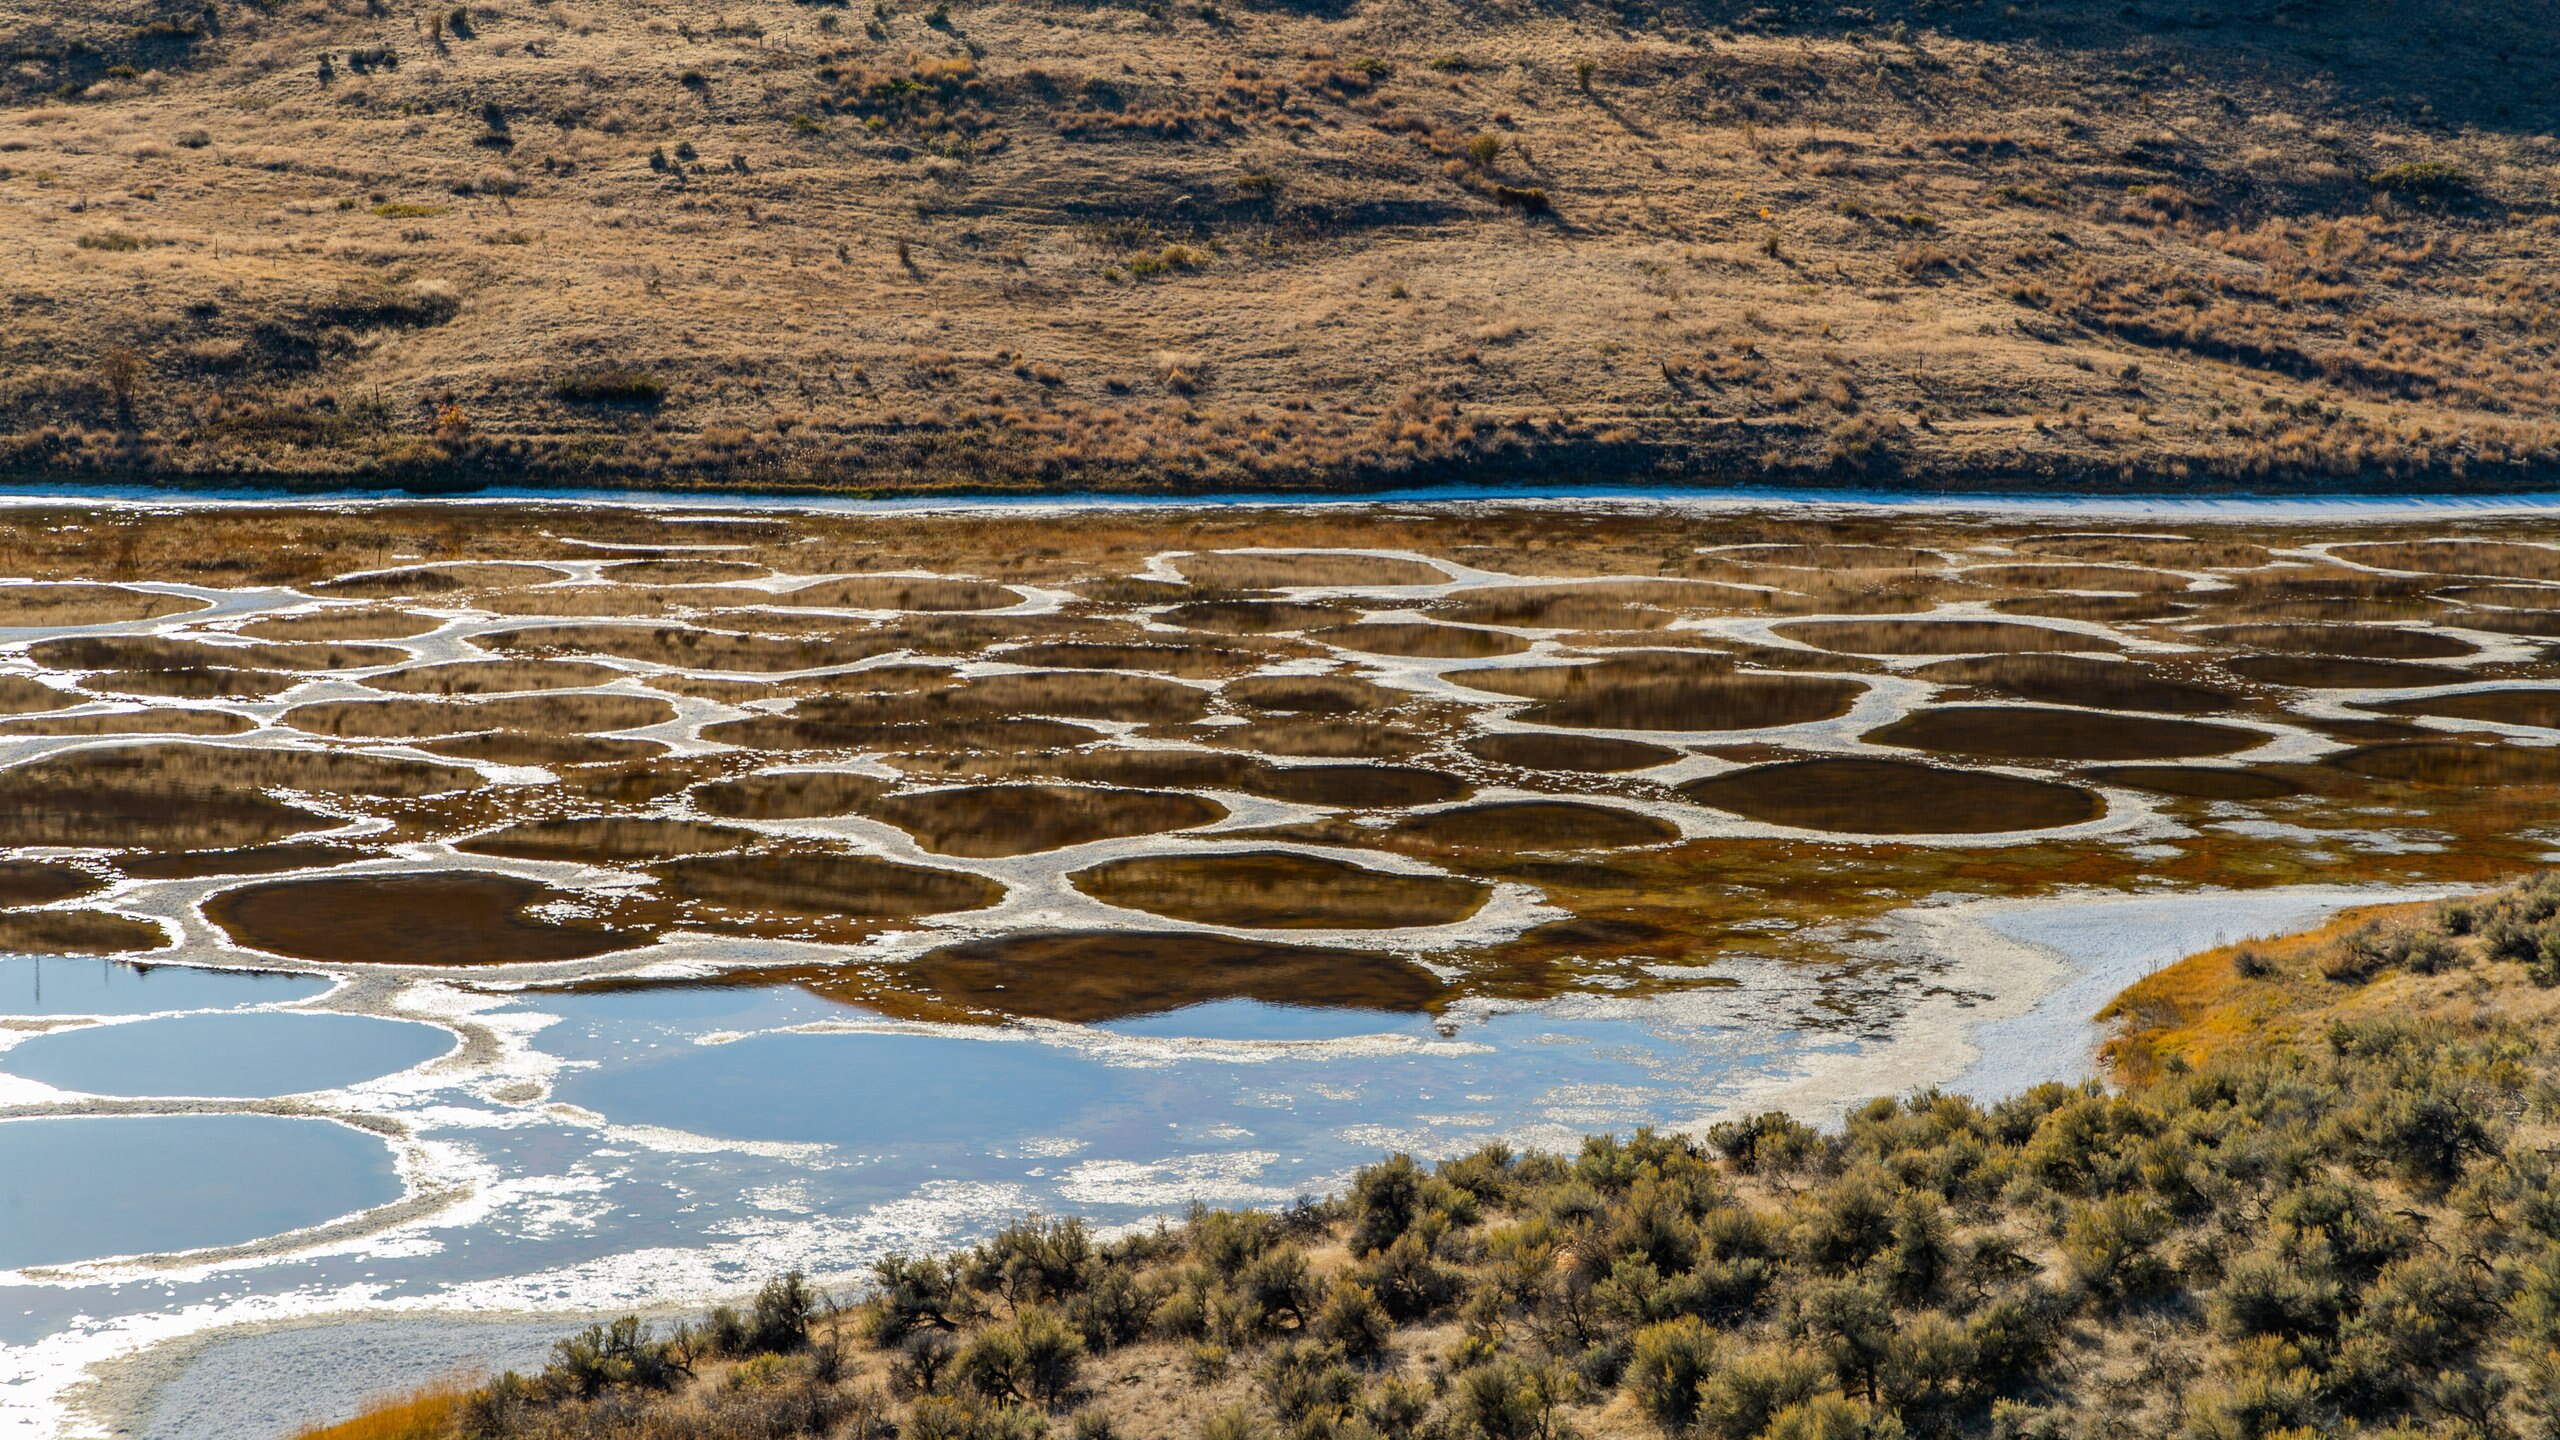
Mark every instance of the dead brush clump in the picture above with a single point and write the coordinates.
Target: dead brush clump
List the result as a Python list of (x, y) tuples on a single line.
[(930, 95), (1182, 373), (1170, 260), (1738, 363), (1128, 108), (1979, 144), (1324, 74), (1923, 262), (1467, 158)]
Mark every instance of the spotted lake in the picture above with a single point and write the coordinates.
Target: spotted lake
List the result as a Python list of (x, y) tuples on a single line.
[(433, 921)]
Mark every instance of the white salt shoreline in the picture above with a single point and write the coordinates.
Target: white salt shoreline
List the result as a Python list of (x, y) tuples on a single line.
[(2017, 1001)]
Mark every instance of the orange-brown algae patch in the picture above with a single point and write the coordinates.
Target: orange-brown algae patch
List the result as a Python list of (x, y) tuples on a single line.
[(105, 800), (2496, 559), (1254, 617), (1089, 977), (1603, 605), (1535, 825), (1939, 637), (810, 895), (193, 682), (1226, 571), (1555, 750), (993, 821), (77, 932), (689, 648), (1190, 661), (2177, 552), (494, 677), (168, 652), (547, 751), (39, 882), (1324, 739), (1893, 797), (50, 605), (343, 624), (2100, 609), (2360, 642), (2034, 732), (2537, 707), (1422, 641), (158, 720), (2486, 768), (571, 713), (2080, 680), (255, 860), (1666, 691), (2103, 579), (1312, 694), (681, 571), (609, 839), (437, 918), (898, 592), (789, 795), (1280, 890), (440, 580), (22, 696)]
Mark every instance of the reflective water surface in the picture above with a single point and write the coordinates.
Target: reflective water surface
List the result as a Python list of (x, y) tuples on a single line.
[(262, 1053), (78, 1189), (81, 985)]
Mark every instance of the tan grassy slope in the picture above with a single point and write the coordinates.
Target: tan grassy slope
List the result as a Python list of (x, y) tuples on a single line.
[(1008, 242), (2341, 1226)]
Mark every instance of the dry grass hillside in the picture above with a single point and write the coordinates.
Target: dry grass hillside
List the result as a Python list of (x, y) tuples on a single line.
[(1014, 243)]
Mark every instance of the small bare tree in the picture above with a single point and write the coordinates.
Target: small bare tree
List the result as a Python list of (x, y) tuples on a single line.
[(121, 371)]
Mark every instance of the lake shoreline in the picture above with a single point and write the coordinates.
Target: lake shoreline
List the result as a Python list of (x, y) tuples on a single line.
[(2046, 1032), (2201, 504)]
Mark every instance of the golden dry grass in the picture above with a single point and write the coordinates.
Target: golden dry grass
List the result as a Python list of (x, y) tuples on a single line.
[(425, 1413), (1025, 244)]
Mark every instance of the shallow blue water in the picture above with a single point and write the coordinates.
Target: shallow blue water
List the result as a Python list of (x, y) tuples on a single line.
[(78, 985), (915, 1138), (912, 1094), (254, 1055), (1245, 1122), (93, 1186)]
